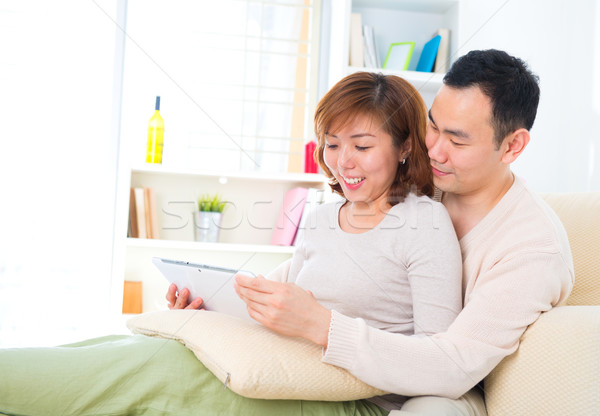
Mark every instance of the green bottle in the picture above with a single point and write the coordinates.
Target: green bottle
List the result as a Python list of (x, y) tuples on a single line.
[(156, 131)]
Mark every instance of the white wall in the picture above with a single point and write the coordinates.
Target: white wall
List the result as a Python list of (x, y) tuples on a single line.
[(560, 39)]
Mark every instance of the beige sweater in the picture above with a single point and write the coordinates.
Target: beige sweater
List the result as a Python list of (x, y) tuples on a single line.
[(516, 264), (401, 276)]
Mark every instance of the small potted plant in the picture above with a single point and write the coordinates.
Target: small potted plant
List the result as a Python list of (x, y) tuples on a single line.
[(207, 219)]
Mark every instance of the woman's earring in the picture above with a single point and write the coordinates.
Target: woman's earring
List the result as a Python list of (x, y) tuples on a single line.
[(403, 161)]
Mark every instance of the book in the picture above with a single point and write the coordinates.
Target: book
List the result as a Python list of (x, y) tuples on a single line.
[(429, 54), (140, 210), (132, 226), (288, 220), (378, 62), (143, 217), (371, 56), (154, 215), (314, 198), (151, 215), (442, 59), (148, 223), (310, 164), (356, 41)]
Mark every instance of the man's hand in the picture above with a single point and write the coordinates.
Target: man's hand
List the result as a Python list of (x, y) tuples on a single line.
[(285, 308), (179, 300)]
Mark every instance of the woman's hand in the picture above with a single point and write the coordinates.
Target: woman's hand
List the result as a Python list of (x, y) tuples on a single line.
[(179, 300), (285, 308)]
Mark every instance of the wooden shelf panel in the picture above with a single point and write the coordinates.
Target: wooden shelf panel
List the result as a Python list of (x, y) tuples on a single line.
[(300, 178), (199, 246), (421, 6), (422, 81)]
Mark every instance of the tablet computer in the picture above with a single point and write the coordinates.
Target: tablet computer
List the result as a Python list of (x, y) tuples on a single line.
[(212, 283)]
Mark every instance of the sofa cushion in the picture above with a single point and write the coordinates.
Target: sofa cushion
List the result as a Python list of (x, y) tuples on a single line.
[(252, 360), (580, 214), (554, 371)]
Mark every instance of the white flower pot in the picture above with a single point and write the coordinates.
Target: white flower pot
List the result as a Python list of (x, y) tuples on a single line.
[(207, 226)]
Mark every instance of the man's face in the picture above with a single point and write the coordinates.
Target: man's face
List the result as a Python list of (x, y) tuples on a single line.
[(460, 141)]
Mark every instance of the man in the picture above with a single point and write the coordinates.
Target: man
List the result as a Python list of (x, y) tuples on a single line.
[(479, 124), (516, 257)]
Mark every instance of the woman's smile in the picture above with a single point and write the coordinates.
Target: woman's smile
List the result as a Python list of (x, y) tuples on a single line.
[(352, 181)]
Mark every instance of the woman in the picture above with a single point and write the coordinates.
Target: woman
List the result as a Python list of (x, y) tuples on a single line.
[(386, 255)]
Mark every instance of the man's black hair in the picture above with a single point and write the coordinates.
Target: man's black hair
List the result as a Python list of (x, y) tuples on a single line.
[(512, 88)]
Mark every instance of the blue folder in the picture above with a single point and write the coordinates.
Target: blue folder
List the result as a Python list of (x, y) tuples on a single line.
[(428, 55)]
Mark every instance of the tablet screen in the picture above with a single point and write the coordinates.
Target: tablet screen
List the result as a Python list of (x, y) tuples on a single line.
[(214, 284)]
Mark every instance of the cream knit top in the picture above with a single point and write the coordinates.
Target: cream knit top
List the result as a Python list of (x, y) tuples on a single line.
[(401, 276)]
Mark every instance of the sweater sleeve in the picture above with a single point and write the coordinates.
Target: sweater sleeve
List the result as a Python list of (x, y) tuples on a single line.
[(506, 299), (296, 263), (281, 272), (288, 270)]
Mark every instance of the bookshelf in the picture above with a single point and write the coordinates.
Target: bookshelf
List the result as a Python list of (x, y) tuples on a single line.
[(247, 225), (244, 240), (254, 200), (393, 21)]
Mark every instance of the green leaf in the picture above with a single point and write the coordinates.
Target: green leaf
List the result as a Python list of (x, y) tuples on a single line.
[(209, 203)]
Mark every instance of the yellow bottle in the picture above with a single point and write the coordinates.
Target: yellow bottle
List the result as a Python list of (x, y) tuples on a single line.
[(156, 131)]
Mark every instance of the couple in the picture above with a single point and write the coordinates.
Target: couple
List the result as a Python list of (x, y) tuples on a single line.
[(388, 310), (516, 261)]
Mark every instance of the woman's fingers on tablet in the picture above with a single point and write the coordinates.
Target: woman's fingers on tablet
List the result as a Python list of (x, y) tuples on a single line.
[(171, 295), (182, 299), (179, 299), (251, 289), (195, 304), (256, 284)]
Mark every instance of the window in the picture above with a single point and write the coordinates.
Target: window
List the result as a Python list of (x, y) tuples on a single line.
[(237, 94), (234, 78)]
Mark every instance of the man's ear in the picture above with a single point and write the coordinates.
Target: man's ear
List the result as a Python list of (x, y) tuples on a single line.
[(514, 145)]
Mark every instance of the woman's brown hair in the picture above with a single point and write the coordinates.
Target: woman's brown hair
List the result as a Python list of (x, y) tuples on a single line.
[(399, 109)]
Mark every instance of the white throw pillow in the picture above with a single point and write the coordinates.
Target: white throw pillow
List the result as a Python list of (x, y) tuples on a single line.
[(252, 360)]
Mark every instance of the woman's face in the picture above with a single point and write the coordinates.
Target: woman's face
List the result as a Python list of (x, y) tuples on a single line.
[(362, 158)]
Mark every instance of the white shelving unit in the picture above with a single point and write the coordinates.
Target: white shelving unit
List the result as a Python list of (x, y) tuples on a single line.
[(254, 202), (256, 198), (394, 21)]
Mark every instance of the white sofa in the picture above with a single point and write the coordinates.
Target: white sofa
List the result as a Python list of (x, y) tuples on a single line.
[(556, 370)]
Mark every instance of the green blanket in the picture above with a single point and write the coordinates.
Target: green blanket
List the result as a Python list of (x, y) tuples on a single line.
[(134, 375)]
